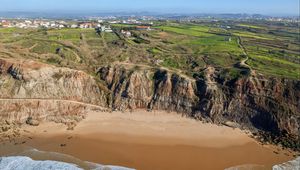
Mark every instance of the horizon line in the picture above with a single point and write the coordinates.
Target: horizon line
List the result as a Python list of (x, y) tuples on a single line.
[(147, 11)]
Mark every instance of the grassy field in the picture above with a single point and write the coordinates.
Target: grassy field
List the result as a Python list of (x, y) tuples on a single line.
[(272, 49), (274, 63), (197, 31), (251, 35), (251, 26)]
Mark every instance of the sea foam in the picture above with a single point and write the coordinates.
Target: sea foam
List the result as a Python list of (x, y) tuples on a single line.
[(57, 161), (26, 163), (291, 165)]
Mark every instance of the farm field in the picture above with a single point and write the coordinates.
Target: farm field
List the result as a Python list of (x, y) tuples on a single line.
[(187, 48)]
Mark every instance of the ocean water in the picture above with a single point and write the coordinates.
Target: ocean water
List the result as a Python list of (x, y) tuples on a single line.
[(33, 159), (26, 163), (247, 167), (291, 165)]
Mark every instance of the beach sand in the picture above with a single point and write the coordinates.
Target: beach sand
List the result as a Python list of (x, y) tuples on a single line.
[(150, 141)]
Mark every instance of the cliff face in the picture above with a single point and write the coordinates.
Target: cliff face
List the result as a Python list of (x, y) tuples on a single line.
[(28, 79), (150, 90), (34, 92), (43, 92), (43, 110), (271, 105)]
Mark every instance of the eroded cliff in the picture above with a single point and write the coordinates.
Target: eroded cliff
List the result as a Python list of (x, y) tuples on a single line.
[(28, 79), (254, 102), (267, 106), (31, 92)]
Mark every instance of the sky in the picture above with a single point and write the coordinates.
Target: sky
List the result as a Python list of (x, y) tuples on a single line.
[(271, 7)]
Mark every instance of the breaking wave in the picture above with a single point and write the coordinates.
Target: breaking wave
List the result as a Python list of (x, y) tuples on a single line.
[(33, 159), (247, 167), (290, 165)]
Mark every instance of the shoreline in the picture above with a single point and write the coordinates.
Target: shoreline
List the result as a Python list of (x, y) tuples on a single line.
[(145, 140)]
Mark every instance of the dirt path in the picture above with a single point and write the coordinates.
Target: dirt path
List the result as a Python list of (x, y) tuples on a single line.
[(32, 47), (54, 100), (244, 61), (103, 41)]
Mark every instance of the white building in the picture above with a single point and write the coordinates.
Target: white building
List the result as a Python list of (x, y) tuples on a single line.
[(74, 26), (126, 33), (28, 22), (45, 24), (114, 22), (21, 25), (61, 26), (106, 29)]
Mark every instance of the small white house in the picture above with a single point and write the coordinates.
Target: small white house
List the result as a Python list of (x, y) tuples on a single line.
[(61, 26), (114, 22), (85, 25), (106, 29), (21, 25), (74, 26), (126, 33), (28, 22)]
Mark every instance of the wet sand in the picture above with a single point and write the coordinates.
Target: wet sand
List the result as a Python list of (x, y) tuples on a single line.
[(150, 141)]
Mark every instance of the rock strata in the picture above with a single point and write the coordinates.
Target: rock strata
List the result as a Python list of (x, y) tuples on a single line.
[(257, 103), (265, 105)]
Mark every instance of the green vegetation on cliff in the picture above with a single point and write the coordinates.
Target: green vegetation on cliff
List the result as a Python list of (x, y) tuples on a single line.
[(267, 48)]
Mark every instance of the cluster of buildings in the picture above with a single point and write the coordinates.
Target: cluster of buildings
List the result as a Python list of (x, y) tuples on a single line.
[(128, 34), (278, 19), (52, 24), (63, 24), (97, 25), (143, 28), (32, 24), (130, 21), (47, 24)]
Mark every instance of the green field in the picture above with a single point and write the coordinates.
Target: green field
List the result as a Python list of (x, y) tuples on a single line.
[(267, 48), (250, 26), (197, 31)]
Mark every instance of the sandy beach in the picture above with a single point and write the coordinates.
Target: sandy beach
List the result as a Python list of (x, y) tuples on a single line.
[(150, 141)]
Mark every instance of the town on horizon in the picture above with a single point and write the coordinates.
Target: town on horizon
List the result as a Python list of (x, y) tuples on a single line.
[(90, 14), (188, 7), (31, 20)]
